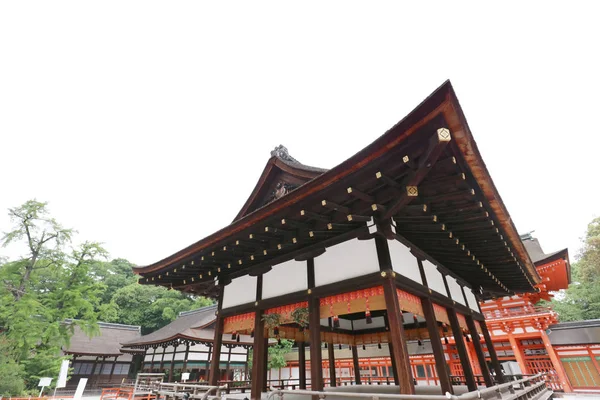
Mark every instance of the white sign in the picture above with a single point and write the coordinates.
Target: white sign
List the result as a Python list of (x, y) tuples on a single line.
[(80, 389), (185, 376), (62, 376), (45, 382)]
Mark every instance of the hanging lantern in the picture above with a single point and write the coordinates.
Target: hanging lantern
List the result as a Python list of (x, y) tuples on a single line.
[(336, 321), (467, 337), (445, 340), (340, 346), (276, 331), (368, 317), (364, 347), (238, 338), (252, 334), (445, 328), (233, 336), (325, 345), (419, 343), (379, 346)]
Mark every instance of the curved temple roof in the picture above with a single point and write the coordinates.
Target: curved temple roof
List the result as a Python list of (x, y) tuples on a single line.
[(423, 181)]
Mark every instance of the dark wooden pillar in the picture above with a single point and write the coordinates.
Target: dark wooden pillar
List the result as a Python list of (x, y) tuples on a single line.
[(314, 326), (332, 378), (436, 346), (461, 349), (185, 360), (394, 367), (356, 365), (214, 372), (172, 363), (492, 351), (398, 351), (265, 371), (302, 364), (112, 369), (258, 359), (487, 378)]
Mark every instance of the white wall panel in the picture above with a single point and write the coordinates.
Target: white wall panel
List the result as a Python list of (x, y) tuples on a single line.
[(148, 357), (199, 347), (238, 357), (434, 278), (455, 290), (346, 260), (179, 356), (197, 356), (403, 262), (471, 299), (289, 277), (241, 290)]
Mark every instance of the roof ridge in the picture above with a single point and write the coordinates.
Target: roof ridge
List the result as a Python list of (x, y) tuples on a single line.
[(197, 310)]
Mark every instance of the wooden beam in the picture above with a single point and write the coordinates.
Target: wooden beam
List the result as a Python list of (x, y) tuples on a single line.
[(461, 348), (356, 365), (258, 375), (335, 207), (487, 378), (399, 352), (436, 146), (302, 364), (213, 373), (354, 192), (436, 345), (314, 326), (332, 377)]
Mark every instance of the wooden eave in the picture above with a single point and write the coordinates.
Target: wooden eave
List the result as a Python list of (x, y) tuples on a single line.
[(274, 169), (457, 220)]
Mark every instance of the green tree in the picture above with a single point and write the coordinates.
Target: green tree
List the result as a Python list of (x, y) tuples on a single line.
[(276, 354), (152, 307), (43, 289), (582, 299)]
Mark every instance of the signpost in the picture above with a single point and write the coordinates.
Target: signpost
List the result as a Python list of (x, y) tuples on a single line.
[(80, 389), (43, 383), (185, 376)]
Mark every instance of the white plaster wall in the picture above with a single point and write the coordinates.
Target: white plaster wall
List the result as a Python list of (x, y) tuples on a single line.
[(288, 277), (169, 349), (346, 260), (403, 262), (434, 278), (224, 357), (455, 290), (518, 330), (180, 356), (274, 373), (199, 347), (530, 329), (197, 356), (238, 357), (148, 357), (241, 290), (471, 299)]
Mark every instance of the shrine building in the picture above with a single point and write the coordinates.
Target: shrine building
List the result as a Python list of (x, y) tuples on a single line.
[(411, 225)]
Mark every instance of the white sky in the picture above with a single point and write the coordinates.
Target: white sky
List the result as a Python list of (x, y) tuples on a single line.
[(146, 124)]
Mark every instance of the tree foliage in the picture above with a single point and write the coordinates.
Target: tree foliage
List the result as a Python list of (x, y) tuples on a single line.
[(582, 299), (55, 286)]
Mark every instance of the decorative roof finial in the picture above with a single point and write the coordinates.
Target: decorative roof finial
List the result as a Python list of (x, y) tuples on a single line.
[(282, 152)]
